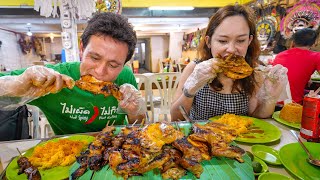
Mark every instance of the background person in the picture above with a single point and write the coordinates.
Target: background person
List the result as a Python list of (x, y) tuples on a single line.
[(300, 61), (106, 44), (206, 93)]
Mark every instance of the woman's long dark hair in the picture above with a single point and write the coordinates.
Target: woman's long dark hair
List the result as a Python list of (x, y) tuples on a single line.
[(204, 53)]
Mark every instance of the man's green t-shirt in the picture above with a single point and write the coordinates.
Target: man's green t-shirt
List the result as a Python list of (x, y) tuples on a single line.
[(68, 110)]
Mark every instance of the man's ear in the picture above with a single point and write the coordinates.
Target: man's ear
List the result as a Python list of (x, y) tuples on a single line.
[(81, 49), (207, 39)]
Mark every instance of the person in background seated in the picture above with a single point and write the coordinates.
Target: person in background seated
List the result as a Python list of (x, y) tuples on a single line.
[(107, 43), (206, 92), (300, 61)]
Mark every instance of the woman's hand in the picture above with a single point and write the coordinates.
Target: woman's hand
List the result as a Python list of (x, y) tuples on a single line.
[(201, 75), (275, 80), (132, 102)]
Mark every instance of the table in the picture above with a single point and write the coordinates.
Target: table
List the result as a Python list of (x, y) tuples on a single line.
[(286, 138), (8, 148)]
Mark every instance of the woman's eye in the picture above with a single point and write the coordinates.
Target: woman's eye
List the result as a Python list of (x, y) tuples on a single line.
[(222, 41), (241, 41)]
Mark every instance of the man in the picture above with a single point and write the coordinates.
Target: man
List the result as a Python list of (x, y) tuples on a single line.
[(107, 43), (300, 61)]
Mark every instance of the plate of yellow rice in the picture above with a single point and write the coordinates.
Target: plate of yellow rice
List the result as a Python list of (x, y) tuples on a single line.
[(249, 129), (53, 158)]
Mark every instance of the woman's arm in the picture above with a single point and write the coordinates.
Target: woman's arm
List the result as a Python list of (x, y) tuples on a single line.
[(179, 98), (193, 78)]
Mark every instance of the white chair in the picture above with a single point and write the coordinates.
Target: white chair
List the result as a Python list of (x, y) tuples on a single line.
[(165, 86), (288, 91), (39, 126), (142, 79)]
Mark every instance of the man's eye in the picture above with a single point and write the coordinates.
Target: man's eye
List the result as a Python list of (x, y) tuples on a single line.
[(113, 66), (94, 58)]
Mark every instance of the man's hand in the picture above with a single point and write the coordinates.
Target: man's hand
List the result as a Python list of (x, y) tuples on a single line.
[(132, 102), (38, 81)]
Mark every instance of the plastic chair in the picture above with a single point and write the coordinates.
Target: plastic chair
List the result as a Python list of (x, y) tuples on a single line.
[(142, 79), (40, 126), (165, 86), (288, 91)]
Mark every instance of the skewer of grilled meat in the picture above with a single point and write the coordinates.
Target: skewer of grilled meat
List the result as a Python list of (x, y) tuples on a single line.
[(92, 158), (123, 162), (83, 161), (25, 167)]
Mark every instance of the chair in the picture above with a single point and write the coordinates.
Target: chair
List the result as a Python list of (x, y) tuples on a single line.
[(142, 79), (164, 85), (288, 92), (40, 126)]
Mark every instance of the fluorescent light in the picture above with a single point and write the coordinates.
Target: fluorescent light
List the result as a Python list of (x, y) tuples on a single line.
[(29, 33), (171, 8)]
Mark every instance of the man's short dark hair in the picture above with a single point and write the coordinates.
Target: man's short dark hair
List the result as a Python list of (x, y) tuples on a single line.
[(113, 25), (305, 37)]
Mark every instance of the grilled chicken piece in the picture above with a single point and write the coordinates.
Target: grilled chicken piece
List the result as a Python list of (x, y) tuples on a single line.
[(218, 141), (158, 161), (202, 146), (171, 169), (187, 149), (191, 156), (232, 152), (133, 142), (174, 173), (91, 84), (175, 156), (25, 167), (221, 131), (154, 136), (234, 66), (116, 144), (123, 162), (192, 166)]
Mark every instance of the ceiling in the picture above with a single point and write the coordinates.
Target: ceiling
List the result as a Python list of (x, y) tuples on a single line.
[(145, 22)]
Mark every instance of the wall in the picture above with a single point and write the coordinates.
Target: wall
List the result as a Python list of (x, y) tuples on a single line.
[(11, 55), (175, 45), (159, 50)]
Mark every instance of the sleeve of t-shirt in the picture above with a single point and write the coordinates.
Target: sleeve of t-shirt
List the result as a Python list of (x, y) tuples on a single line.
[(317, 58), (13, 73)]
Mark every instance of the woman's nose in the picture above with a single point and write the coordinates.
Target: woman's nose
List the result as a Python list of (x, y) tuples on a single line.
[(231, 48)]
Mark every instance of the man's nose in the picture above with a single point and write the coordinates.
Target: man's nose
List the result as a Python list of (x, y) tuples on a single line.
[(101, 69)]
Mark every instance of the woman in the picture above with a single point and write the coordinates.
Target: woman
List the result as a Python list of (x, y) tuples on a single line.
[(205, 92)]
